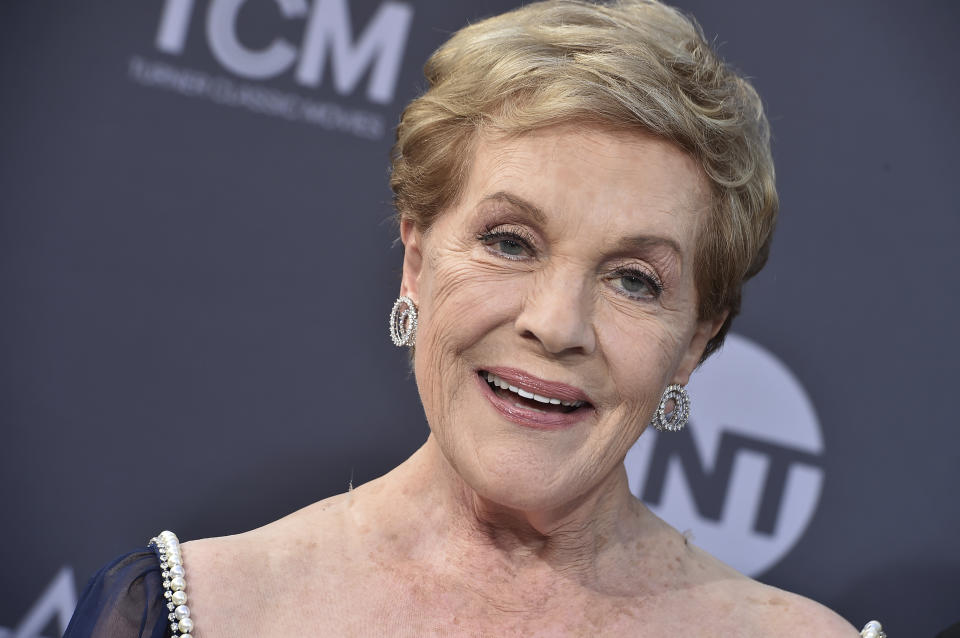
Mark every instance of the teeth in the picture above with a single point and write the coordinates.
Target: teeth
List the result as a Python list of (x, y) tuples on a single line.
[(500, 383)]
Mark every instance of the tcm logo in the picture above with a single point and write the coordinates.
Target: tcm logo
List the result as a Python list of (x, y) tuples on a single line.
[(56, 603), (328, 34), (745, 474)]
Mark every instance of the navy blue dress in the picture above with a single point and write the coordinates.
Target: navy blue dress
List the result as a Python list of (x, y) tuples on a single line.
[(123, 600)]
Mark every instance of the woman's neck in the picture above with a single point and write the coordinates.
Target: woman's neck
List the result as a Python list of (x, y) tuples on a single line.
[(439, 520)]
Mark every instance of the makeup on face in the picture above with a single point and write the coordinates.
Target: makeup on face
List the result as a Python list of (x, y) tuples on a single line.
[(530, 401)]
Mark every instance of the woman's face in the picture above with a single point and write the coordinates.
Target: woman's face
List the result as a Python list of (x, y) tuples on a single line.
[(565, 270)]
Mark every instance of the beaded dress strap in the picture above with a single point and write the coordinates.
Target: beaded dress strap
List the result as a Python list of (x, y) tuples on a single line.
[(174, 586), (872, 629)]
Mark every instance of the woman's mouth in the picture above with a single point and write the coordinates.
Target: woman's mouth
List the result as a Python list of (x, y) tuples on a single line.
[(551, 410), (525, 399)]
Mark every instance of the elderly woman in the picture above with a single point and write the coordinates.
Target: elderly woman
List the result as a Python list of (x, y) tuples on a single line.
[(582, 192)]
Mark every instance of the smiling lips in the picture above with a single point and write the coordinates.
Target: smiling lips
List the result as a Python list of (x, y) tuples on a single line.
[(531, 401), (505, 385)]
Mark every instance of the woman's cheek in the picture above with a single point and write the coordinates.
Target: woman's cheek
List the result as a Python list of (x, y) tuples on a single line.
[(641, 354), (470, 298), (461, 303)]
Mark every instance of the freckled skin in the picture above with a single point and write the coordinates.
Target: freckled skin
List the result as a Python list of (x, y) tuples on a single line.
[(491, 528)]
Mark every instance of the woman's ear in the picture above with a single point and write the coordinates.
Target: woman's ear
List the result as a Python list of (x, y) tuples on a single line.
[(706, 330), (412, 260)]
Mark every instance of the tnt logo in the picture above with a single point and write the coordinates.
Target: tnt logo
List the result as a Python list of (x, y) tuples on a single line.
[(745, 474), (328, 33)]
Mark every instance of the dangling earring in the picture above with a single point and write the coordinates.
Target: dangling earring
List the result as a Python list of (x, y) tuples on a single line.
[(403, 322), (679, 415)]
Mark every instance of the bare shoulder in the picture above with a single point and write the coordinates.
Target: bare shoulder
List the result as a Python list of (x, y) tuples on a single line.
[(772, 610), (746, 607), (271, 563), (301, 533)]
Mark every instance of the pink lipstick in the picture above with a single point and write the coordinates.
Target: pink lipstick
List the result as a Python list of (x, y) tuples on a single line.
[(531, 401)]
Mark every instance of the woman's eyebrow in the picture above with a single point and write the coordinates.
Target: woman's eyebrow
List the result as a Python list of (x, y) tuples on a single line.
[(644, 242), (517, 202)]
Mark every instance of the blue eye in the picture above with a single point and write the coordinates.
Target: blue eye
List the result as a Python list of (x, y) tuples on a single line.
[(508, 244), (510, 247), (637, 284)]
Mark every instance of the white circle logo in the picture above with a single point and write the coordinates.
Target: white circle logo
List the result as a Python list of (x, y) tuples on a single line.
[(745, 474)]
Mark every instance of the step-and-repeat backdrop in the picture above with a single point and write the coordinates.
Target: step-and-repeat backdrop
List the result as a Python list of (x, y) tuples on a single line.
[(197, 259)]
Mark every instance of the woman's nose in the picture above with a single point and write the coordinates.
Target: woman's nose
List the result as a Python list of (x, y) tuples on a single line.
[(558, 313)]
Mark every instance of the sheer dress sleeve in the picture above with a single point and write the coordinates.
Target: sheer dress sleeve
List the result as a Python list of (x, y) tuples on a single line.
[(124, 599)]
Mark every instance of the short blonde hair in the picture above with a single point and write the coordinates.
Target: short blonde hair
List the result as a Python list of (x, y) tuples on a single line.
[(628, 64)]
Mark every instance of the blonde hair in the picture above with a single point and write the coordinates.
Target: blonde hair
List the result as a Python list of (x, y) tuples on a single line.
[(628, 64)]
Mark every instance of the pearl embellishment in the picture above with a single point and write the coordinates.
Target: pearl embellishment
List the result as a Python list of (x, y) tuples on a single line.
[(872, 629), (174, 583)]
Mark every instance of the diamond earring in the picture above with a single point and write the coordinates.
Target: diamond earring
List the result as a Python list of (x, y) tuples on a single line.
[(403, 322), (679, 414)]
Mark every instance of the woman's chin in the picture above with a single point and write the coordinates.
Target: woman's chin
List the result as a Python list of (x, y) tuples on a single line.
[(517, 467), (521, 484)]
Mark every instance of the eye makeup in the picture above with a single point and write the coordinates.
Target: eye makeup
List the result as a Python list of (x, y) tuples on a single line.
[(508, 241), (631, 277), (512, 233)]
